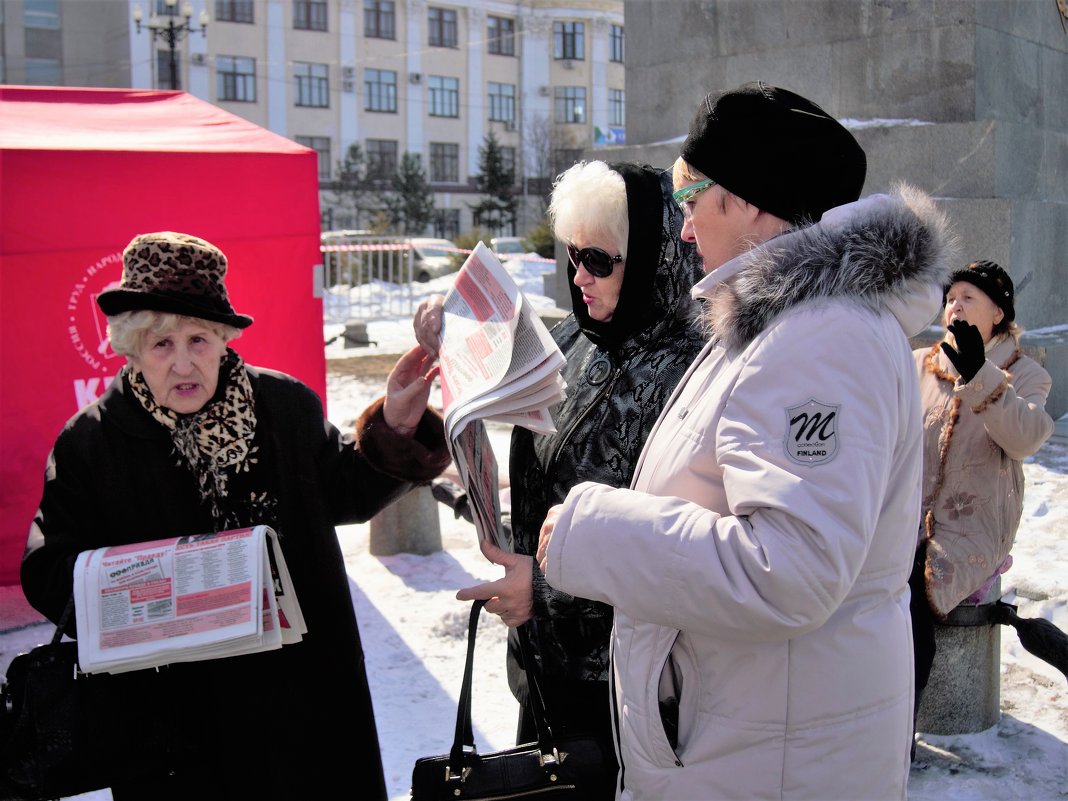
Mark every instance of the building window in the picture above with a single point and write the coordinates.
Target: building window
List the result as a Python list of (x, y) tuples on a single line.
[(444, 162), (234, 11), (41, 14), (380, 90), (447, 223), (165, 10), (615, 107), (236, 78), (502, 103), (321, 145), (500, 36), (441, 26), (563, 158), (313, 84), (570, 105), (44, 72), (444, 96), (615, 43), (569, 40), (164, 63), (309, 15), (381, 158), (379, 19)]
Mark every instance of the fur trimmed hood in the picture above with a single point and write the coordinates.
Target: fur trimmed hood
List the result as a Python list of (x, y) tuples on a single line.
[(890, 251)]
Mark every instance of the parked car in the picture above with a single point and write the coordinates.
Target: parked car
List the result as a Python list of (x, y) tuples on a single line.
[(433, 257), (367, 257), (509, 245)]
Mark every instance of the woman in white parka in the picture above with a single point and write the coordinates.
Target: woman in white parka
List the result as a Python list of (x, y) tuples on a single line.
[(758, 565)]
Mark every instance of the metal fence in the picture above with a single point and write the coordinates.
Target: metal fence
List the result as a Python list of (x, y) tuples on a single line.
[(362, 279)]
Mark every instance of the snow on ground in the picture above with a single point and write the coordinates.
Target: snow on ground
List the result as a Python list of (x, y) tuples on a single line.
[(415, 636), (414, 631)]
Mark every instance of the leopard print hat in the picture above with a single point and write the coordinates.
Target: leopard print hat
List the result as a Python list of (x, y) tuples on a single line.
[(171, 272)]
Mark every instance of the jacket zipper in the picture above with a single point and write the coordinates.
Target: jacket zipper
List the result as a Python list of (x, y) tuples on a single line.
[(606, 389), (663, 667)]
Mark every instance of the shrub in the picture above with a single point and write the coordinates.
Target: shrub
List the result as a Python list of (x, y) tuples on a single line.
[(541, 240), (467, 242)]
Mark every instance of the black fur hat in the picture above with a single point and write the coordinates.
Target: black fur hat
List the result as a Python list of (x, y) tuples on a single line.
[(993, 280), (776, 150)]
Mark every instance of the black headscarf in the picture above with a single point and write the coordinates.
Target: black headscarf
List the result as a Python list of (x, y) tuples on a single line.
[(649, 294)]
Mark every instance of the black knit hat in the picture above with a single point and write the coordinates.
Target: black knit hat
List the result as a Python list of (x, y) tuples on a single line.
[(993, 280), (776, 150), (170, 272)]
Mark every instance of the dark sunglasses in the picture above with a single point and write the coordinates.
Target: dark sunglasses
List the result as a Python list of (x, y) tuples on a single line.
[(596, 261)]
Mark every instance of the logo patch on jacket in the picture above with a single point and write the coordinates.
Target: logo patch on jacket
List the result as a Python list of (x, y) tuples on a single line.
[(812, 432)]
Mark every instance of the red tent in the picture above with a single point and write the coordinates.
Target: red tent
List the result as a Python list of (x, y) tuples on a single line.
[(82, 171)]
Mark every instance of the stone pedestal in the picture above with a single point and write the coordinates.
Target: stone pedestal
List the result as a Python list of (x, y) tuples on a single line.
[(408, 525), (356, 334), (963, 695)]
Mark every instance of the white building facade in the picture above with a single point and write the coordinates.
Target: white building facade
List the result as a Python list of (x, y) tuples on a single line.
[(393, 76)]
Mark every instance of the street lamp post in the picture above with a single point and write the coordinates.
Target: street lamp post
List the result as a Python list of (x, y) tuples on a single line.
[(172, 32)]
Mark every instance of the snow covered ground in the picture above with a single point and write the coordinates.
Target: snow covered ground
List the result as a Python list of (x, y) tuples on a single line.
[(414, 631)]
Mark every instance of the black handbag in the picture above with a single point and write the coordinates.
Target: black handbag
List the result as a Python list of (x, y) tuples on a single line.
[(565, 767), (63, 732)]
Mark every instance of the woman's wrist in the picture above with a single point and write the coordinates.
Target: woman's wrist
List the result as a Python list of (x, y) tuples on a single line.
[(396, 422), (402, 431)]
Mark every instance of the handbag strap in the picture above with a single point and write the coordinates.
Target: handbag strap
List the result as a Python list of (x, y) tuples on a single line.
[(62, 624), (538, 709), (464, 736)]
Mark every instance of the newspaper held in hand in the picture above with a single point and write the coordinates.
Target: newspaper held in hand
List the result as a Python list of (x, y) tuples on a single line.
[(498, 362), (184, 599)]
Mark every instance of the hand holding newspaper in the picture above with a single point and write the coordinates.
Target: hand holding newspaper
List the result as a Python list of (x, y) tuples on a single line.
[(184, 599), (498, 362)]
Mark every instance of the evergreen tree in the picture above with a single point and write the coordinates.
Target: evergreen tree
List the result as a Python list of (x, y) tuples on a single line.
[(352, 190), (497, 210), (411, 203)]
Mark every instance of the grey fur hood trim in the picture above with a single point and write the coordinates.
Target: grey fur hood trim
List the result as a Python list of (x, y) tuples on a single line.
[(893, 252)]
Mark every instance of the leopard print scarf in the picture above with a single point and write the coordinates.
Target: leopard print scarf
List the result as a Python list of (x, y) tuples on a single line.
[(216, 442)]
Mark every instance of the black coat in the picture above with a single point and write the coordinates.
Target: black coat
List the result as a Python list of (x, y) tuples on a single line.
[(619, 375), (290, 723)]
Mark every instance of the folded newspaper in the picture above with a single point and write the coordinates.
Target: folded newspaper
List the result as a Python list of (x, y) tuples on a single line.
[(498, 362), (184, 599)]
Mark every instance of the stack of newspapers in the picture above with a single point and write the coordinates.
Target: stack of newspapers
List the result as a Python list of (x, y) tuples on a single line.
[(184, 599), (498, 362)]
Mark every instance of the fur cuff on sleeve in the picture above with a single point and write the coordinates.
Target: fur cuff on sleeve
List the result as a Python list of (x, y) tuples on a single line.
[(418, 458)]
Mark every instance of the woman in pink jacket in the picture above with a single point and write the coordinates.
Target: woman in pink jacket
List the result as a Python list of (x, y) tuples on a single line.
[(984, 406)]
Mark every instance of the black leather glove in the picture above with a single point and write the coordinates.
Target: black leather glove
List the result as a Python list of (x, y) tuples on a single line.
[(970, 352), (453, 496)]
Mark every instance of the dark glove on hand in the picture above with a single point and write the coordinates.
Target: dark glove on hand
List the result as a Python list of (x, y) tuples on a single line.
[(970, 353), (453, 496)]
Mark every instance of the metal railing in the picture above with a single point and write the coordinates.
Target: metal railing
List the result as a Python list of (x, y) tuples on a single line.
[(362, 278)]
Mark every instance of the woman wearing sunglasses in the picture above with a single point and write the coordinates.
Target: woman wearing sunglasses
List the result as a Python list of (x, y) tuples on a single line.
[(627, 342)]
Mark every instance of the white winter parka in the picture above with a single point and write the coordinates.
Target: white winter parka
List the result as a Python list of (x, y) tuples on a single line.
[(759, 564)]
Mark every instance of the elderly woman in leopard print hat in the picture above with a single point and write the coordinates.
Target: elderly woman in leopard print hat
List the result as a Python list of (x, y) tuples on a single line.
[(984, 412), (189, 439)]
